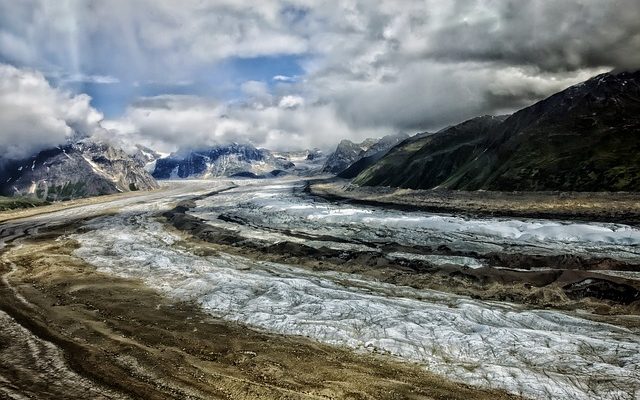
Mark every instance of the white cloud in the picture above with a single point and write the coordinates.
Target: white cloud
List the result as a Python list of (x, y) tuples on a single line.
[(82, 78), (368, 67), (35, 116), (257, 93), (172, 122), (284, 78), (165, 39), (291, 101), (143, 39), (326, 109)]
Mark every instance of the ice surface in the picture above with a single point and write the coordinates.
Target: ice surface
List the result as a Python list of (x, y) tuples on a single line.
[(541, 354), (276, 207)]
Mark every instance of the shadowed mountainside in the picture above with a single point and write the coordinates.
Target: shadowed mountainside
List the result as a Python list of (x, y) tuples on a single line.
[(584, 138)]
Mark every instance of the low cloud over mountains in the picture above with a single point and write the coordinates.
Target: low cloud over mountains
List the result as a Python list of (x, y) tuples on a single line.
[(297, 73)]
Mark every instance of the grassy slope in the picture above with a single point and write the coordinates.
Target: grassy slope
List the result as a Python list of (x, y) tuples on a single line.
[(426, 161), (570, 154), (13, 203)]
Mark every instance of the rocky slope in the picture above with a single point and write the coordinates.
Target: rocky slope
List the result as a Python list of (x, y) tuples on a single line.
[(585, 138), (224, 160), (348, 153), (372, 155), (81, 169), (146, 157)]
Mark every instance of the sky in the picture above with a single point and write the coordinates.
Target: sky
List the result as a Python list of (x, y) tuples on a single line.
[(289, 74)]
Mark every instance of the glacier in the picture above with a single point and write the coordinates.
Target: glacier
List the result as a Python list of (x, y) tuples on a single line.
[(536, 353)]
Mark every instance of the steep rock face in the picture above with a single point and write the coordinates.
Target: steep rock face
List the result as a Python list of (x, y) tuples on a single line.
[(81, 169), (372, 155), (384, 144), (218, 161), (585, 138), (315, 155), (347, 153)]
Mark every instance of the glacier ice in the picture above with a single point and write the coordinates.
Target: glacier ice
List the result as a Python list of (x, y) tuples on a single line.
[(277, 207), (537, 353)]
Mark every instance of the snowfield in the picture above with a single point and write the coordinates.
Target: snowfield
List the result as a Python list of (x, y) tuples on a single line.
[(537, 353)]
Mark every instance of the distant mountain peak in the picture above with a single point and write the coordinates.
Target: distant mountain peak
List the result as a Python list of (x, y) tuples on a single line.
[(348, 152), (234, 159)]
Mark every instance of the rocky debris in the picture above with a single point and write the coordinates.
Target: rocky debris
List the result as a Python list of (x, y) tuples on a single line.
[(603, 289), (608, 207), (250, 175), (548, 281)]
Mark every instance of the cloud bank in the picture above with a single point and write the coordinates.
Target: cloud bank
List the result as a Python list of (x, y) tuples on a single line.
[(168, 123), (366, 68)]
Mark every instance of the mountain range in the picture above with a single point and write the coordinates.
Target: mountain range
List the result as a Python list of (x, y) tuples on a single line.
[(234, 160), (584, 138)]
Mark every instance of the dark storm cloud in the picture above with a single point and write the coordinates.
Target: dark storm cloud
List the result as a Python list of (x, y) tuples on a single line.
[(553, 36)]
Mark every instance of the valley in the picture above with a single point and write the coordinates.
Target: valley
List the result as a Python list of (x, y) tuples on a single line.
[(237, 282), (283, 200)]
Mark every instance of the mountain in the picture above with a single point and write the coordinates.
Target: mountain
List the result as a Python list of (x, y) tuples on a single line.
[(146, 157), (223, 160), (345, 154), (82, 169), (584, 138), (348, 152), (372, 155), (426, 159)]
